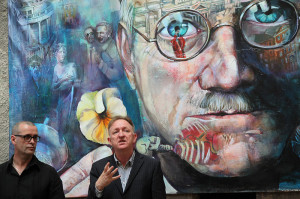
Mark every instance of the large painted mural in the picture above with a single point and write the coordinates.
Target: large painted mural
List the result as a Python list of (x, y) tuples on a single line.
[(212, 86)]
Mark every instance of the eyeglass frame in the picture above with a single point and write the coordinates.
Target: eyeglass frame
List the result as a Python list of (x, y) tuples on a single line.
[(212, 29), (31, 137)]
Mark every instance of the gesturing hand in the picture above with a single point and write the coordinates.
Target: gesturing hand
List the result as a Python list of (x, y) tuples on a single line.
[(106, 177)]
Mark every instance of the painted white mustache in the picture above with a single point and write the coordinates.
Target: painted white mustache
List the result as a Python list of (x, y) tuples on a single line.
[(226, 102)]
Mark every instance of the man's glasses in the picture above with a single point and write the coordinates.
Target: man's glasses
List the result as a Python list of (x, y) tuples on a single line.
[(183, 34), (28, 138)]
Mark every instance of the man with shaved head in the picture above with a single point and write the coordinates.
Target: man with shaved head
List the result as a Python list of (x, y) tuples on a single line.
[(228, 107), (24, 176)]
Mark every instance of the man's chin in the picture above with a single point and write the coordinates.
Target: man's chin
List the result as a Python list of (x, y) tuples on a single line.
[(262, 177)]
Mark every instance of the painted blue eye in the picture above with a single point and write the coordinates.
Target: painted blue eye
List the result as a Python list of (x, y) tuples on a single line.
[(269, 24), (267, 18), (184, 28)]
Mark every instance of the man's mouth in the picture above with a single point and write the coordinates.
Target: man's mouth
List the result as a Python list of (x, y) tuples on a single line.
[(122, 141), (31, 148)]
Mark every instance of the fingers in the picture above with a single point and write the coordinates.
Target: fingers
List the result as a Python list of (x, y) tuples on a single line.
[(114, 171), (106, 167), (109, 170), (116, 177), (107, 176)]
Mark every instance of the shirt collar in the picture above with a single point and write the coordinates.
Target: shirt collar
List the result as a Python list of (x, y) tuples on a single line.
[(33, 162), (130, 161)]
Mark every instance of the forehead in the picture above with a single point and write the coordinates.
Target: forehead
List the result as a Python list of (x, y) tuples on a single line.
[(146, 13), (120, 124), (26, 129)]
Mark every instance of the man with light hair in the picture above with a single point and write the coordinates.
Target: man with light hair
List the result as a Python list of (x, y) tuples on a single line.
[(228, 107), (126, 173)]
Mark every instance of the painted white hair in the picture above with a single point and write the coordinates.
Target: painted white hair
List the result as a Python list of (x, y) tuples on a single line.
[(126, 14), (107, 25)]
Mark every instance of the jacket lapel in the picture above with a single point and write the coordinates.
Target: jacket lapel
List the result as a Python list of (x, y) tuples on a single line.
[(118, 181), (138, 162)]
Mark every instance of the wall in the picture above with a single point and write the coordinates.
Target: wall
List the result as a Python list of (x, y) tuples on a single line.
[(4, 118), (4, 104)]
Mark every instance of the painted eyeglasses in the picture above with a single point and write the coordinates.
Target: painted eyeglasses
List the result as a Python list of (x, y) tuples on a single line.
[(267, 24)]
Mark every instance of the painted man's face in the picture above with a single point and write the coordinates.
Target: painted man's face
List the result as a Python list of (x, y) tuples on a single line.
[(89, 35), (228, 110), (102, 33)]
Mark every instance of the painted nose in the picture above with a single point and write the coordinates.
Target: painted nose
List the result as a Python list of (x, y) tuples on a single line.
[(224, 71)]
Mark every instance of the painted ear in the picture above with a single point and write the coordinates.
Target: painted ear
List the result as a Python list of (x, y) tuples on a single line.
[(123, 45)]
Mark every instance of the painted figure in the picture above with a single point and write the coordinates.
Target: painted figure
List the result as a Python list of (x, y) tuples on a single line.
[(108, 59), (104, 65), (178, 43), (64, 84), (93, 79), (230, 107)]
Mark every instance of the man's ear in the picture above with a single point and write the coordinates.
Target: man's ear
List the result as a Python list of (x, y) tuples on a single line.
[(135, 138), (123, 45), (13, 139)]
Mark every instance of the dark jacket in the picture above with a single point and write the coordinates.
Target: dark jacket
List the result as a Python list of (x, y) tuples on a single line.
[(145, 180), (37, 181)]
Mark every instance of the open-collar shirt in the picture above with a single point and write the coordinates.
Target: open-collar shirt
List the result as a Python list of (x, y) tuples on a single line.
[(124, 171)]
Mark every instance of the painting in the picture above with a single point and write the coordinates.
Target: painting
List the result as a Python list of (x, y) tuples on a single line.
[(212, 87)]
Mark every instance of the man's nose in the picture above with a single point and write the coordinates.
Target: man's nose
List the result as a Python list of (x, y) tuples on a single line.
[(32, 140), (121, 134), (224, 71)]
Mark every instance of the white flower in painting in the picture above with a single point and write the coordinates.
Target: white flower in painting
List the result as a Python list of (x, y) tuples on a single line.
[(95, 110)]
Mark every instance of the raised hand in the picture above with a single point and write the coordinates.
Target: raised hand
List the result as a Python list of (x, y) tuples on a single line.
[(106, 177)]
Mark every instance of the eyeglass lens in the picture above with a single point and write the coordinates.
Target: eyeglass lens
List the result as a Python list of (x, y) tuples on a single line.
[(27, 138), (182, 34), (269, 24)]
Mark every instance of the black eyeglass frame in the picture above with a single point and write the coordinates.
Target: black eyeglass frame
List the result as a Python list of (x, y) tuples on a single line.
[(35, 138), (212, 29)]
